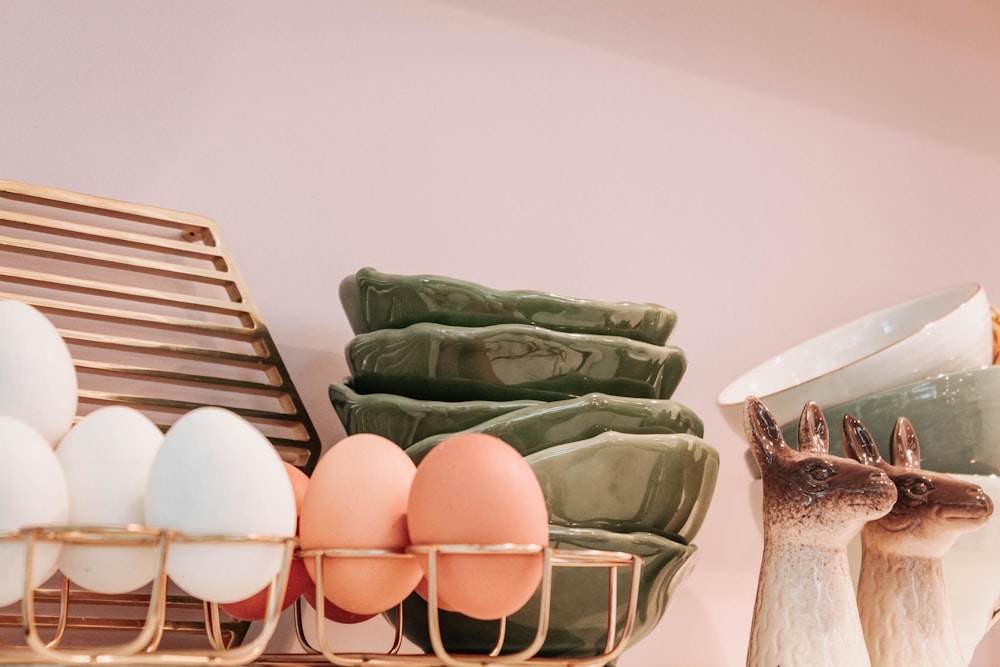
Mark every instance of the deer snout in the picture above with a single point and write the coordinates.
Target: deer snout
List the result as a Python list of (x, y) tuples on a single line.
[(881, 485), (974, 505), (982, 499)]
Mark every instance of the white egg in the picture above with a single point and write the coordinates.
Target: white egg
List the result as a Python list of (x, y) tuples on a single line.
[(216, 474), (38, 382), (32, 493), (106, 459)]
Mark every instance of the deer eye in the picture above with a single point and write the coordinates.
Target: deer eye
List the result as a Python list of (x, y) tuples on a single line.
[(915, 488), (812, 478), (816, 476), (820, 471)]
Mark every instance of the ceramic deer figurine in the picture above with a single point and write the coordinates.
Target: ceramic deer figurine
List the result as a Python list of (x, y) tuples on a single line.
[(814, 504), (905, 612)]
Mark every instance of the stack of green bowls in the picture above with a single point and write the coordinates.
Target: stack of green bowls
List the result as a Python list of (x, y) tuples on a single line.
[(582, 389)]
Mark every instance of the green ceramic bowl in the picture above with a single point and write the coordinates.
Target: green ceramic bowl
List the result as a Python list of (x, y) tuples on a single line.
[(656, 482), (373, 300), (505, 362), (578, 617), (956, 417), (405, 420), (545, 425)]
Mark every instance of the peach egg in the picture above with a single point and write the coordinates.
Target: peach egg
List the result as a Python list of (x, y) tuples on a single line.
[(334, 613), (424, 590), (356, 499), (254, 608), (475, 489)]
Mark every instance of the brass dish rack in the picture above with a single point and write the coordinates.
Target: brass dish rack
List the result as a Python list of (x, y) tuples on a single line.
[(153, 308), (157, 317)]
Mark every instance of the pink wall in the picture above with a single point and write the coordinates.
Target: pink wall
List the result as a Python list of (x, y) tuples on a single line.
[(767, 169)]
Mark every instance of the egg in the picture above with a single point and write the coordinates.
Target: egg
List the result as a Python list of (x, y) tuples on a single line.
[(217, 475), (332, 612), (254, 608), (357, 500), (38, 382), (106, 458), (475, 489), (32, 493)]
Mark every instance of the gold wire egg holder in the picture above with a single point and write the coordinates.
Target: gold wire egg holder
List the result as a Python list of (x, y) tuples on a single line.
[(226, 648), (224, 641)]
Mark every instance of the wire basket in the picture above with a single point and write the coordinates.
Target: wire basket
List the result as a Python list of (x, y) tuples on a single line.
[(53, 636)]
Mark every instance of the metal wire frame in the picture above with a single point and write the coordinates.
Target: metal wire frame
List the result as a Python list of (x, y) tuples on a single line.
[(145, 644), (145, 647), (157, 317), (616, 642), (153, 308)]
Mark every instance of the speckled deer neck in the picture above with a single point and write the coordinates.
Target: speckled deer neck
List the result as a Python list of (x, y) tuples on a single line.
[(902, 600), (814, 504)]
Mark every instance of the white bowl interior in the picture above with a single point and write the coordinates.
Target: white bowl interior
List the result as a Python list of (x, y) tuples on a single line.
[(845, 345)]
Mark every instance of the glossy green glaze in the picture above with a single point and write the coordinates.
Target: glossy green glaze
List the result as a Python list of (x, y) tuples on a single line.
[(405, 420), (538, 427), (956, 417), (578, 617), (373, 300), (655, 482), (508, 362)]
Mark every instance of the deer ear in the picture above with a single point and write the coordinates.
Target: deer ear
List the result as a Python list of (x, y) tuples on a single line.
[(858, 442), (762, 432), (905, 448), (813, 434)]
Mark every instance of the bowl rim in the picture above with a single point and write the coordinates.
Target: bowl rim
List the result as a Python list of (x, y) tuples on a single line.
[(638, 327), (437, 330), (732, 395), (377, 398)]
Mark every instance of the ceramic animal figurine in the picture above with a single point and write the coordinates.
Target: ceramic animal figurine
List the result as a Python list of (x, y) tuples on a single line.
[(814, 504), (905, 613)]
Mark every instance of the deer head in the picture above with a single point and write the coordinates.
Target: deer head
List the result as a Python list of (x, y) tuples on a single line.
[(932, 508), (810, 495)]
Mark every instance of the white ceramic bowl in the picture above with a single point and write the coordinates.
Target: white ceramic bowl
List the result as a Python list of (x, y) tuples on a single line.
[(942, 332)]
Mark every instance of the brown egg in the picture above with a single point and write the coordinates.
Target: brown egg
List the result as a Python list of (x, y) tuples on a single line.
[(473, 488), (357, 499), (254, 608), (334, 613)]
